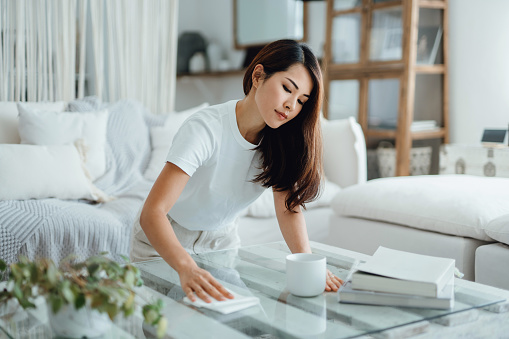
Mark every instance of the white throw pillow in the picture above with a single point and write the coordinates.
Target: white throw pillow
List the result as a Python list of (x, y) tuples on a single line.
[(162, 138), (498, 229), (453, 204), (39, 172), (263, 207), (41, 127), (9, 118), (344, 152)]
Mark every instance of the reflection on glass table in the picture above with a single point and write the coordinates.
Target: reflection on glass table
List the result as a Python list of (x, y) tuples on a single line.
[(260, 271)]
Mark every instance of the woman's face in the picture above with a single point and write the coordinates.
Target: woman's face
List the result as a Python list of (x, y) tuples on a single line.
[(281, 97)]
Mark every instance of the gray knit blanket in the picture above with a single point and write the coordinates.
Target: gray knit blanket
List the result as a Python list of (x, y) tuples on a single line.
[(56, 228)]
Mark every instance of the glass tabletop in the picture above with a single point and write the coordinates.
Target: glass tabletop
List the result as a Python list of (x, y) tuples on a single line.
[(259, 271)]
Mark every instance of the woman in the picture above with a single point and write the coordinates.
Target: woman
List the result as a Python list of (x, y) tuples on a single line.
[(224, 157)]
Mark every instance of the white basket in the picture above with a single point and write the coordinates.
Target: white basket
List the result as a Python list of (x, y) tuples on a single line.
[(420, 160)]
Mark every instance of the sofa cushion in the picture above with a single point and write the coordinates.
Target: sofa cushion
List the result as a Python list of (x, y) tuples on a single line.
[(38, 172), (344, 152), (9, 118), (453, 204), (162, 138), (498, 229), (126, 157), (41, 127)]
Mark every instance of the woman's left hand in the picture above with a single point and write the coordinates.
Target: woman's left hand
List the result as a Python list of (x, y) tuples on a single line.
[(332, 282)]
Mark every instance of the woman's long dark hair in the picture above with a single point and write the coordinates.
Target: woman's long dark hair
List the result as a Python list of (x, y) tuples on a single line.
[(292, 153)]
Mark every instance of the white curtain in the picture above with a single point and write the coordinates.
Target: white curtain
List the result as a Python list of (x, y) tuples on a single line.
[(132, 44)]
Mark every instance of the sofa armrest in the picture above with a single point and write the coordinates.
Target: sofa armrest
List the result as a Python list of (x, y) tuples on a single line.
[(344, 152)]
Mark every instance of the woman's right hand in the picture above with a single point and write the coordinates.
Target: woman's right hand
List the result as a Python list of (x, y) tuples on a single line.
[(196, 281)]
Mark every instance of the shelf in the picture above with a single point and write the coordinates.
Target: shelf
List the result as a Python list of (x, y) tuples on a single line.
[(429, 69), (417, 135), (432, 134), (397, 70), (438, 4), (213, 74)]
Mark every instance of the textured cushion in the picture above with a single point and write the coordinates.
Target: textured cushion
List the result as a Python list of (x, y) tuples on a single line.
[(263, 207), (38, 172), (344, 152), (162, 137), (498, 229), (454, 204), (9, 118), (40, 127)]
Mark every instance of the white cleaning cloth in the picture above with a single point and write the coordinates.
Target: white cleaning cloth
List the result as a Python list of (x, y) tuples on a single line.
[(226, 306)]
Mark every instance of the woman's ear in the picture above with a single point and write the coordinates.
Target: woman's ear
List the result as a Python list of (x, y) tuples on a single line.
[(257, 75)]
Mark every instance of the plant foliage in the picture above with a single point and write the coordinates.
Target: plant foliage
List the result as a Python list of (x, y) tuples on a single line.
[(99, 282)]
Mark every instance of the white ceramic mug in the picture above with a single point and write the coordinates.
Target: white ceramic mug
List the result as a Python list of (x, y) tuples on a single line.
[(305, 274)]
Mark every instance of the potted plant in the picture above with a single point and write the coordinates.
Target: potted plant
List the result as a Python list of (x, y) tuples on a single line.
[(97, 289)]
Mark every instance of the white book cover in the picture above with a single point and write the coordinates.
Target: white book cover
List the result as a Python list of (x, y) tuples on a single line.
[(427, 274), (444, 300)]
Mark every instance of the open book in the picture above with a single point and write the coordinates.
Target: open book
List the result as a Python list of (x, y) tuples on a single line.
[(401, 272)]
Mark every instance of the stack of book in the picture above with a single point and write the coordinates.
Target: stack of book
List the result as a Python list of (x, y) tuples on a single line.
[(398, 278), (423, 125), (416, 126)]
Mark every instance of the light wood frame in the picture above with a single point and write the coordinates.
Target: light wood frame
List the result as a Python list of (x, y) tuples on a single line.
[(405, 70)]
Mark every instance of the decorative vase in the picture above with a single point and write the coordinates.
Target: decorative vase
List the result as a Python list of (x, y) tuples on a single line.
[(85, 322), (197, 64), (214, 54)]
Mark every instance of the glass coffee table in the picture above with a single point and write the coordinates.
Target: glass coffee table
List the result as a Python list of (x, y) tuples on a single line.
[(260, 271)]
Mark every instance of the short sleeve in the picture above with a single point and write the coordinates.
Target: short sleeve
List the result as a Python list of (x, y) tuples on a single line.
[(192, 146)]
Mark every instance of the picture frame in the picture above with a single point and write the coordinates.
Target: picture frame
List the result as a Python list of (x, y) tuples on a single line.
[(428, 43)]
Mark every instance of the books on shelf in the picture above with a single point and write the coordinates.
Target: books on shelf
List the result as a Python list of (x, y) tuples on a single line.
[(444, 300), (393, 271), (423, 125)]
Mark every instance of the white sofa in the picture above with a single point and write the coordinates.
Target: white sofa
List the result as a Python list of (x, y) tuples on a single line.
[(135, 146), (459, 216)]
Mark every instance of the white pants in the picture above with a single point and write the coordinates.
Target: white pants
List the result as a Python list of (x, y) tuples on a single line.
[(194, 242)]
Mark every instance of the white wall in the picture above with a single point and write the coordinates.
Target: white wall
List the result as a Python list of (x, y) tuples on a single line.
[(478, 67)]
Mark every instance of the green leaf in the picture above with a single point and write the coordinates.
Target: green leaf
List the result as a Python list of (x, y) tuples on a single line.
[(52, 274), (162, 324), (150, 315), (93, 268), (112, 310), (129, 278), (3, 265), (17, 291), (129, 303), (80, 301), (67, 293), (97, 300), (56, 303)]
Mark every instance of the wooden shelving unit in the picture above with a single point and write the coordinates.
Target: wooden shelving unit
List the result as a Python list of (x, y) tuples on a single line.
[(386, 56)]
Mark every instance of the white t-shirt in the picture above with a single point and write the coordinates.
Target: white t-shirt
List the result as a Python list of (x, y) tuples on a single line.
[(221, 165)]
